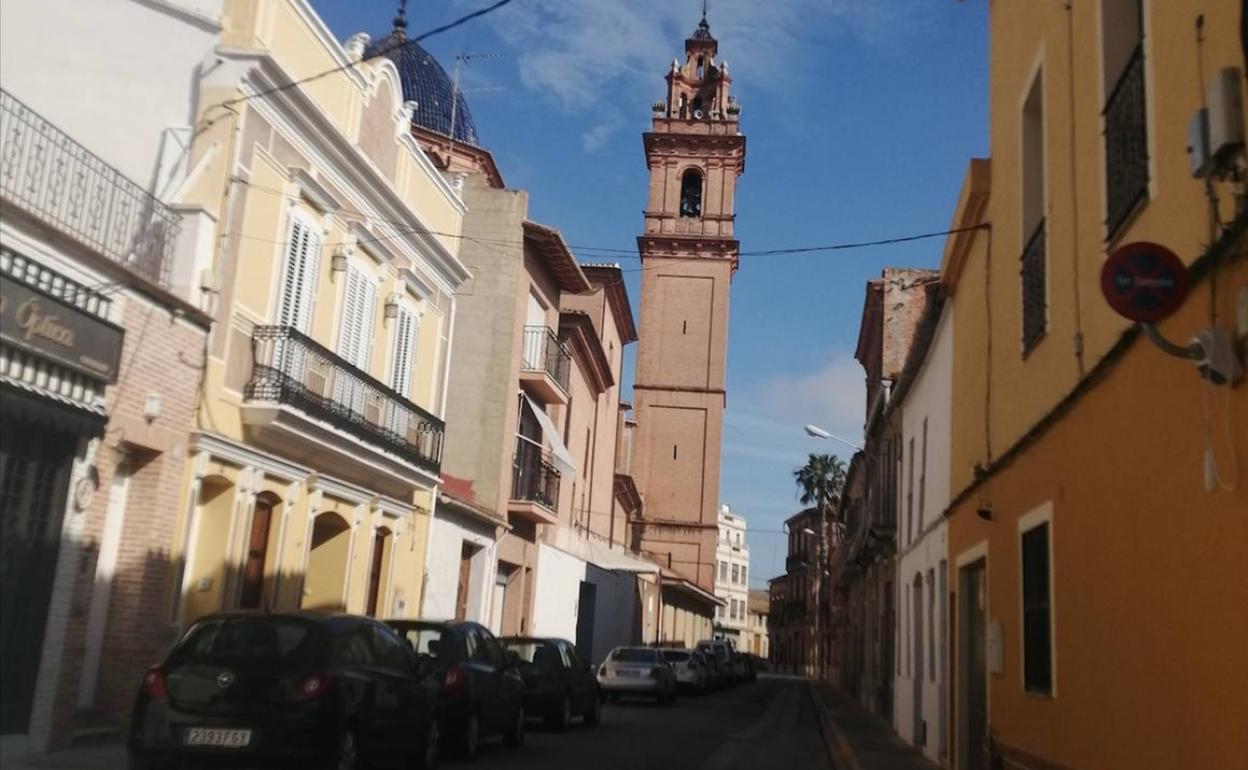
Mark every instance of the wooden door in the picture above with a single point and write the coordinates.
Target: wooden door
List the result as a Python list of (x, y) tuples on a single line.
[(257, 550), (374, 570), (465, 573)]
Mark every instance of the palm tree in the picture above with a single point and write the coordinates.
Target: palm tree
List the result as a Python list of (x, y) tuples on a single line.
[(819, 482)]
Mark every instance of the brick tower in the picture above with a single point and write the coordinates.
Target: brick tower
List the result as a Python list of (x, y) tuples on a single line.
[(695, 152)]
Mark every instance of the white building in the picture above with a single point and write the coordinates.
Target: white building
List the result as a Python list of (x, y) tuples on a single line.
[(732, 577), (922, 656)]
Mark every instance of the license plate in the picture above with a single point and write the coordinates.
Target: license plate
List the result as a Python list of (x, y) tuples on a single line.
[(630, 674), (217, 737)]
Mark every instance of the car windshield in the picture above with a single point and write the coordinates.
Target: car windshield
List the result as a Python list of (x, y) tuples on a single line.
[(425, 640), (279, 642), (634, 655), (676, 656)]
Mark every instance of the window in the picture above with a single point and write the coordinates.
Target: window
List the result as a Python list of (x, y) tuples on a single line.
[(691, 193), (744, 570), (303, 251), (1037, 640), (923, 475), (910, 496), (931, 625), (723, 572), (1126, 124), (736, 574), (391, 652), (355, 337), (1034, 266), (402, 351)]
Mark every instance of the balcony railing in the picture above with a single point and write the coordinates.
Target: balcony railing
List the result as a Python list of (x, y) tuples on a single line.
[(543, 352), (1035, 305), (290, 368), (1126, 145), (533, 476), (64, 185)]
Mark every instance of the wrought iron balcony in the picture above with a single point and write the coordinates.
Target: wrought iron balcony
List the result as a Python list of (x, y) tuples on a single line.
[(290, 368), (543, 352), (534, 477), (1035, 305), (1126, 145), (57, 181)]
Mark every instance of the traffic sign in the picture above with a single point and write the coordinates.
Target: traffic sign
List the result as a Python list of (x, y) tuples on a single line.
[(1144, 282)]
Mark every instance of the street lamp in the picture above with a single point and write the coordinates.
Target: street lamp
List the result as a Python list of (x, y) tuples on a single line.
[(814, 431)]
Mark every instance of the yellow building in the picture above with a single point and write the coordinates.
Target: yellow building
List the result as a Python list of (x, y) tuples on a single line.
[(1098, 606), (318, 442)]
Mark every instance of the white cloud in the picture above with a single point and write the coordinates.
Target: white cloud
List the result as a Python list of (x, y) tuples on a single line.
[(832, 397), (597, 137), (582, 52)]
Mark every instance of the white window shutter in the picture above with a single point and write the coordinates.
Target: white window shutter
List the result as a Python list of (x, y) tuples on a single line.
[(401, 364), (310, 262), (358, 314), (302, 255)]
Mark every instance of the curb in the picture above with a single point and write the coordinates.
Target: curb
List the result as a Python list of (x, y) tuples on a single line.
[(840, 752)]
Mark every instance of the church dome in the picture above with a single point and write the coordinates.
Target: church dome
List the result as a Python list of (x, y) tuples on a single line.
[(427, 84)]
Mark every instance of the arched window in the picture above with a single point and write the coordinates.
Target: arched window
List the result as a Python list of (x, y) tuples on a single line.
[(701, 68), (691, 194), (697, 106)]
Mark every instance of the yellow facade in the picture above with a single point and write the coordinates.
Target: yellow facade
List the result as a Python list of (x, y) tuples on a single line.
[(316, 457), (1090, 429)]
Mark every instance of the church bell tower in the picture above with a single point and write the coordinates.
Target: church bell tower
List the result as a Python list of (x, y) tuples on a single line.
[(695, 151)]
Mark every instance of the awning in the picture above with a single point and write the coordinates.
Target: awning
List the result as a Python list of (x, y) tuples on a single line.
[(563, 458), (618, 561)]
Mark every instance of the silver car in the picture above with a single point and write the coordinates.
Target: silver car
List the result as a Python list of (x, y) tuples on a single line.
[(691, 672), (637, 671)]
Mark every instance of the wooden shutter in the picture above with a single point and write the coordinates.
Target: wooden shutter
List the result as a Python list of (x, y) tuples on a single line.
[(356, 336), (303, 250), (404, 346)]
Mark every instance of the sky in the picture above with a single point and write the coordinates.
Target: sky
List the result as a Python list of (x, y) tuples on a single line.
[(860, 118)]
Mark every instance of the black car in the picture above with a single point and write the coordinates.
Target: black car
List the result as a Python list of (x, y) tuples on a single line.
[(481, 690), (558, 683), (285, 690)]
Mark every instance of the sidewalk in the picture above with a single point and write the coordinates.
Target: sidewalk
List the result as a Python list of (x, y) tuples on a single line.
[(858, 740), (107, 756)]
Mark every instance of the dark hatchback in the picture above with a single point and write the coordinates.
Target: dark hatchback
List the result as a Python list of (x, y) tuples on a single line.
[(285, 690), (481, 690), (558, 684)]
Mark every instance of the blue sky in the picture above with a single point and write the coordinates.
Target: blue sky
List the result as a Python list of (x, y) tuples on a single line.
[(860, 116)]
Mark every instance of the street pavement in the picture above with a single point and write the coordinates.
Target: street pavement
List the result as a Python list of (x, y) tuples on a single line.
[(862, 741), (770, 724)]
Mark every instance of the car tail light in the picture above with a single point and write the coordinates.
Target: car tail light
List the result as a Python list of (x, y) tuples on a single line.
[(312, 687), (602, 670), (154, 684), (455, 679)]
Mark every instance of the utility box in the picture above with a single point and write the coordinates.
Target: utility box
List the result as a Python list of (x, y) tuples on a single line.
[(1225, 101)]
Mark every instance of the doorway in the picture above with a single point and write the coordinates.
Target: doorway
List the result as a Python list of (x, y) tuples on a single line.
[(35, 463), (325, 580), (972, 603), (377, 568), (585, 611), (916, 623), (464, 582), (252, 592)]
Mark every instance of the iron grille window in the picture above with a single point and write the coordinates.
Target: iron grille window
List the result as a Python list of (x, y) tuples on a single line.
[(1037, 652), (1126, 145), (1034, 304)]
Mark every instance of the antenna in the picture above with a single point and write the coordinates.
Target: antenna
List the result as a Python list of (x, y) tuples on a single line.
[(460, 59)]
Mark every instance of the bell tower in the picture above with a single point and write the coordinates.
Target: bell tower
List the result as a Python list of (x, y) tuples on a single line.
[(695, 151)]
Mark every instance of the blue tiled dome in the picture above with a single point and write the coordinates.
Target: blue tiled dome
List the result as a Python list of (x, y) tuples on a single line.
[(427, 84)]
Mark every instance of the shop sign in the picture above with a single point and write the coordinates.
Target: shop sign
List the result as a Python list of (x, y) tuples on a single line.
[(45, 326)]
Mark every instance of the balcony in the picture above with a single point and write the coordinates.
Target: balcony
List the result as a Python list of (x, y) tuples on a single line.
[(544, 366), (534, 484), (292, 372), (63, 185), (795, 562), (1126, 146)]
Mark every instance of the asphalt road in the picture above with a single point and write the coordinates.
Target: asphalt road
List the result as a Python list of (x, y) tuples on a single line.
[(767, 725)]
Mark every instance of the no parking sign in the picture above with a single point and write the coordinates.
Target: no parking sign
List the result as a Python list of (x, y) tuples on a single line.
[(1144, 282)]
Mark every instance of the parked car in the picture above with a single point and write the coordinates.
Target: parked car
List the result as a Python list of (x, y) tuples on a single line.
[(721, 653), (298, 690), (558, 684), (691, 672), (482, 693), (637, 671)]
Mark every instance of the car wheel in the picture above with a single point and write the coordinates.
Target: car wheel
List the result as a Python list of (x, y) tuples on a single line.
[(560, 718), (515, 734), (427, 759), (593, 716), (347, 754), (469, 737)]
